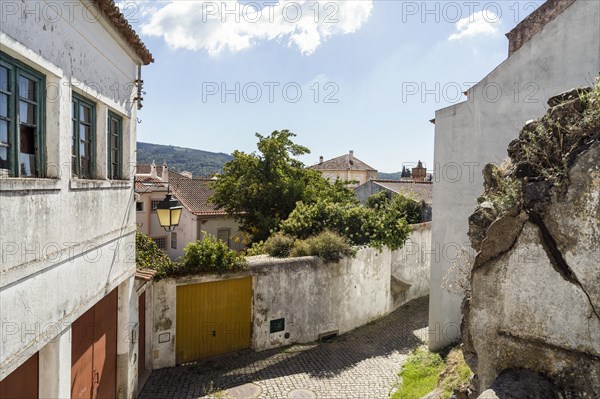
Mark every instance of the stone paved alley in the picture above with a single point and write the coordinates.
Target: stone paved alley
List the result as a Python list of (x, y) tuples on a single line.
[(361, 364)]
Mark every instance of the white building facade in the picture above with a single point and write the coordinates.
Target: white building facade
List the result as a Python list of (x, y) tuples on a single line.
[(555, 49), (69, 76)]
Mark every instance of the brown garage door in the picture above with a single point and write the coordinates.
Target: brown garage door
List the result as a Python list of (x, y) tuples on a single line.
[(94, 351), (23, 382)]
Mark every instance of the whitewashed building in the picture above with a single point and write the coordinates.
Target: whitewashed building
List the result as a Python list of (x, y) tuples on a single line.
[(555, 49), (69, 90)]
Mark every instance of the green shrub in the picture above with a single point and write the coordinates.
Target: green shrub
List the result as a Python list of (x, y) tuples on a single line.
[(301, 248), (360, 225), (148, 255), (329, 246), (208, 255), (404, 207), (379, 200), (257, 248), (279, 245)]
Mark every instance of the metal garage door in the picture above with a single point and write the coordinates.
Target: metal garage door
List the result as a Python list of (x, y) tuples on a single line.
[(213, 318), (23, 382), (94, 351)]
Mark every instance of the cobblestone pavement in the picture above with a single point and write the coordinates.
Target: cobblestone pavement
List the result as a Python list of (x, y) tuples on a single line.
[(361, 364)]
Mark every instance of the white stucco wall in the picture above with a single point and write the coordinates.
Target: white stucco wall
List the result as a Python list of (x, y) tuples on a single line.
[(564, 55), (314, 297), (411, 263), (67, 242)]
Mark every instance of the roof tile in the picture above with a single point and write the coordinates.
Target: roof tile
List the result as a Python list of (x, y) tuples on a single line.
[(343, 162)]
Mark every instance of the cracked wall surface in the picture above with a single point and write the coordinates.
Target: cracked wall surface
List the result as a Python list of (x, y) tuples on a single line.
[(534, 299)]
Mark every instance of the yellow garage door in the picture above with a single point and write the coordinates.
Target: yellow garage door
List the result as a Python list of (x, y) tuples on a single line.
[(213, 318)]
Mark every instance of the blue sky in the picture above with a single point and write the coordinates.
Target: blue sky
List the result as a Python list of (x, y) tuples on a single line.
[(369, 63)]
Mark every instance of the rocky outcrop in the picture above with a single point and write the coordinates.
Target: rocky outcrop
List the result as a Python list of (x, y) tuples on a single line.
[(520, 384), (534, 300)]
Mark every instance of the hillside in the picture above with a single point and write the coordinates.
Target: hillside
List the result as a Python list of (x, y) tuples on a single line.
[(389, 176), (200, 163)]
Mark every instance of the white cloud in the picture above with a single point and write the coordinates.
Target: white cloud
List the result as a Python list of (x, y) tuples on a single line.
[(477, 24), (206, 25)]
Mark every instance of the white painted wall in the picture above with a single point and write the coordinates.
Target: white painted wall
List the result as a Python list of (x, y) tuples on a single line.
[(564, 55), (412, 262), (316, 297), (67, 242)]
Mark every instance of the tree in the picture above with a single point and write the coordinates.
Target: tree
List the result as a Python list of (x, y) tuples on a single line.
[(262, 189)]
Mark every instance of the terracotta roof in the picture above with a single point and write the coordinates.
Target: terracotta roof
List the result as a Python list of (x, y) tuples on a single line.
[(145, 274), (143, 168), (416, 191), (147, 184), (194, 194), (118, 20), (344, 162)]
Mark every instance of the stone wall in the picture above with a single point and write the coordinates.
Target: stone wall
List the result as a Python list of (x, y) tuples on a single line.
[(535, 285), (312, 296)]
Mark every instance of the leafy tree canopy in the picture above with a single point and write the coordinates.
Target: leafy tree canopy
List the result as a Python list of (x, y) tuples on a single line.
[(262, 188)]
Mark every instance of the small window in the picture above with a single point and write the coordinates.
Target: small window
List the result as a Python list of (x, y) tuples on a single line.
[(22, 100), (115, 146), (173, 240), (223, 235), (84, 137), (139, 206), (154, 205), (161, 242)]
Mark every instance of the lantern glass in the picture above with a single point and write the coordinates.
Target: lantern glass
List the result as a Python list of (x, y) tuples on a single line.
[(169, 213)]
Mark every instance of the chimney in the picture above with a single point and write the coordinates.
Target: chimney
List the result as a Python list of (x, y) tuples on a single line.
[(321, 159), (153, 170), (419, 173), (351, 156), (165, 172)]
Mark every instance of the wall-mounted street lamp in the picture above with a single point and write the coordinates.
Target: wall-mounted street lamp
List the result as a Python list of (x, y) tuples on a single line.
[(168, 212)]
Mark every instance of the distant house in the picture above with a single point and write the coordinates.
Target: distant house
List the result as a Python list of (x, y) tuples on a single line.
[(151, 188), (200, 217), (151, 184), (346, 167), (417, 191)]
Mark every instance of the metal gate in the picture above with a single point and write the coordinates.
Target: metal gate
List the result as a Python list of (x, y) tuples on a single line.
[(94, 351), (213, 318)]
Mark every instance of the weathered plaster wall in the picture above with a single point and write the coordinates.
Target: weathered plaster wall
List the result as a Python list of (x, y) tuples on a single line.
[(67, 242), (565, 54), (314, 297), (411, 263)]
